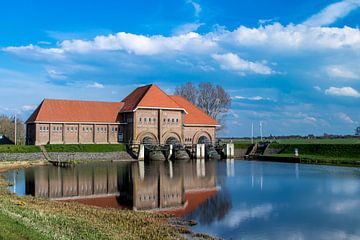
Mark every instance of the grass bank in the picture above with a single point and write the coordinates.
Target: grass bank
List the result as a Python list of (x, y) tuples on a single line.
[(321, 153), (85, 147), (19, 149), (33, 218)]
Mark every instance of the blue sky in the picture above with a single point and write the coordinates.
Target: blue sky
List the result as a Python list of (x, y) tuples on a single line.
[(294, 65)]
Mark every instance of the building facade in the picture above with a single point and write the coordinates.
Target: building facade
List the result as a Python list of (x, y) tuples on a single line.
[(146, 115)]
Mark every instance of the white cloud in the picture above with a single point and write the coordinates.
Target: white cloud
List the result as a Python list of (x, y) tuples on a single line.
[(96, 85), (341, 72), (317, 88), (344, 117), (310, 119), (277, 37), (140, 44), (332, 13), (343, 91), (186, 28), (28, 107), (54, 74), (233, 62), (196, 6), (256, 98)]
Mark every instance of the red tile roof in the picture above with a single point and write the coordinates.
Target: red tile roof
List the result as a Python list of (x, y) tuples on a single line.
[(150, 96), (51, 110), (194, 114)]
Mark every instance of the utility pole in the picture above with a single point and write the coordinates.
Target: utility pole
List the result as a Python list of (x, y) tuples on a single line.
[(261, 133), (15, 131), (252, 133)]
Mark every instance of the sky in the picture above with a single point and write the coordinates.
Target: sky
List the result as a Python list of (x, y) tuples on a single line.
[(293, 65)]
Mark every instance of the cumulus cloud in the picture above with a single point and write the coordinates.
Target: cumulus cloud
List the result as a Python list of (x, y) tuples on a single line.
[(342, 91), (233, 62), (96, 85), (341, 72), (332, 13), (345, 118)]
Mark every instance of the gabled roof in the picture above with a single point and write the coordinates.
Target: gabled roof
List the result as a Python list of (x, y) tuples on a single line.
[(54, 110), (194, 116), (150, 96)]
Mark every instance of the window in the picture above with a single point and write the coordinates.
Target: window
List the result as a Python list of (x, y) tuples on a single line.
[(173, 120), (139, 119), (168, 119), (83, 129), (164, 120), (75, 129), (54, 128), (72, 129), (47, 128), (154, 119), (98, 129), (91, 129), (144, 119), (87, 129), (116, 129), (60, 128), (177, 120), (40, 129), (149, 119)]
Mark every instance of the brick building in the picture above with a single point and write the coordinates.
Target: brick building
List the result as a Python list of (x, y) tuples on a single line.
[(146, 114)]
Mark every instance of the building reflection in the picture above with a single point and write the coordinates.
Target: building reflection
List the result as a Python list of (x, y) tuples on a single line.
[(176, 187)]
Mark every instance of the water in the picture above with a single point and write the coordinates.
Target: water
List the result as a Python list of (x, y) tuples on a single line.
[(229, 199)]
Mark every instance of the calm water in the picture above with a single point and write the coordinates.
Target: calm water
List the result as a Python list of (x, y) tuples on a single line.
[(229, 199)]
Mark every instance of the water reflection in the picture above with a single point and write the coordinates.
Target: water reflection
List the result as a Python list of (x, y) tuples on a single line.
[(167, 186), (229, 199)]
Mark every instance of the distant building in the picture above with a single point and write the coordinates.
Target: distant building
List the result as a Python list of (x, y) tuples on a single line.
[(5, 140), (357, 131), (146, 115)]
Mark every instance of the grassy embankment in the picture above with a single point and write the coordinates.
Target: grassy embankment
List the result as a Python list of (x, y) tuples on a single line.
[(19, 149), (63, 148), (34, 218), (321, 153), (325, 151), (85, 147)]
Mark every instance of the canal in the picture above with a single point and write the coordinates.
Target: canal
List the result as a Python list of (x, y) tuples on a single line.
[(229, 199)]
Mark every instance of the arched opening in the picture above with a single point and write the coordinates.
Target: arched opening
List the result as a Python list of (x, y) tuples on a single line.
[(204, 140), (148, 141), (172, 141)]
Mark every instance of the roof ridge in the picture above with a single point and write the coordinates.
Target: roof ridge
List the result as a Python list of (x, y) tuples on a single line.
[(154, 86), (74, 100)]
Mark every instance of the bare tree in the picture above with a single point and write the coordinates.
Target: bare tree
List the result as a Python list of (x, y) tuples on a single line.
[(212, 99), (7, 128), (188, 90)]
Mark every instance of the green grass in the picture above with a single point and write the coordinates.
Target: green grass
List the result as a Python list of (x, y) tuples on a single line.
[(320, 141), (13, 230), (85, 147), (19, 149), (243, 145), (326, 150)]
